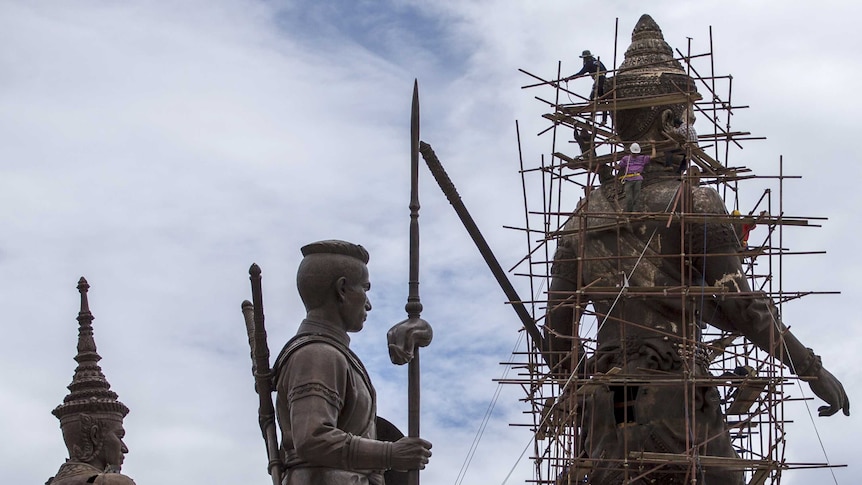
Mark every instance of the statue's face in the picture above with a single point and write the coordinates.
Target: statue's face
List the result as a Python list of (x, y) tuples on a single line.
[(113, 447), (96, 440), (355, 306)]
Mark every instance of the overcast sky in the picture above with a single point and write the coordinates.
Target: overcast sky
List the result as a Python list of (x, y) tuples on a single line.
[(159, 148)]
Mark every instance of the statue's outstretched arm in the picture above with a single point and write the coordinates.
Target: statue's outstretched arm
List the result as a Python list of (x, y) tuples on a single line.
[(756, 317)]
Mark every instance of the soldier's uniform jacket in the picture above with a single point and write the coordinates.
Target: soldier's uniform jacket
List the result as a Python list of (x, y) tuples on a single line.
[(326, 408)]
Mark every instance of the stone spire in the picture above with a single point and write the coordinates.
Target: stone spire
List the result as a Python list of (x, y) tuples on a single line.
[(89, 391)]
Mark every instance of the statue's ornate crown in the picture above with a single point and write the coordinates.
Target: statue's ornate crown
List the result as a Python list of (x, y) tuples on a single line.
[(649, 69), (89, 392)]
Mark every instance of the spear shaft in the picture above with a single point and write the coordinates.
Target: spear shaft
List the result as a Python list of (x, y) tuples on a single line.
[(414, 306)]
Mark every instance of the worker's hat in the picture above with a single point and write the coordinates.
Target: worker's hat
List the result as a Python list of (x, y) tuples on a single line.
[(635, 148), (586, 53)]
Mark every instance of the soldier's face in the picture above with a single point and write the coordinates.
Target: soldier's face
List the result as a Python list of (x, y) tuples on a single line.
[(356, 305), (113, 447)]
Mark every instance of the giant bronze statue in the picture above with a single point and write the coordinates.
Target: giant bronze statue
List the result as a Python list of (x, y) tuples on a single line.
[(91, 417), (326, 406), (640, 339)]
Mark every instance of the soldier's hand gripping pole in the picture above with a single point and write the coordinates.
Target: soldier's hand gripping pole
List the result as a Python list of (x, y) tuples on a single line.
[(253, 314)]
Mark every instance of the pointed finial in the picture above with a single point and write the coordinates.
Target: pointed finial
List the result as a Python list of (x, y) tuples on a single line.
[(83, 286), (89, 391), (86, 344)]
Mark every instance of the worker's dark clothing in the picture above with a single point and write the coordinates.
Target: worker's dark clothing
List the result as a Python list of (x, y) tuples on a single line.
[(593, 66)]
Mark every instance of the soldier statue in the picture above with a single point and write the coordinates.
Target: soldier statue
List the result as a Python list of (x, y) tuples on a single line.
[(326, 405)]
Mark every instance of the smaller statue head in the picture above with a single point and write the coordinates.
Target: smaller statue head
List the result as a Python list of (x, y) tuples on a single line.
[(96, 439), (333, 279), (91, 416), (650, 69)]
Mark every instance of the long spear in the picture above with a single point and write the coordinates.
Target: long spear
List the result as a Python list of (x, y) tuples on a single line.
[(406, 337), (253, 313), (414, 306)]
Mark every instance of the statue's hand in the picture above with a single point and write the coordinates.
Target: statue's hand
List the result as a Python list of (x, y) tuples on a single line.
[(405, 336), (829, 389), (410, 454)]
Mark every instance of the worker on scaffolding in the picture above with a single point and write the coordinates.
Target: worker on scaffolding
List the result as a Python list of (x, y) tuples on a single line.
[(594, 68), (629, 170), (746, 227), (686, 137)]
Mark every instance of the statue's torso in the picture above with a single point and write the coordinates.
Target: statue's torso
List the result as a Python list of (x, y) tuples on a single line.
[(641, 332), (652, 255)]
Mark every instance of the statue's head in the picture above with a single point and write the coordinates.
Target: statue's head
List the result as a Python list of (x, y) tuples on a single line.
[(91, 417), (96, 439), (334, 274), (649, 69)]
